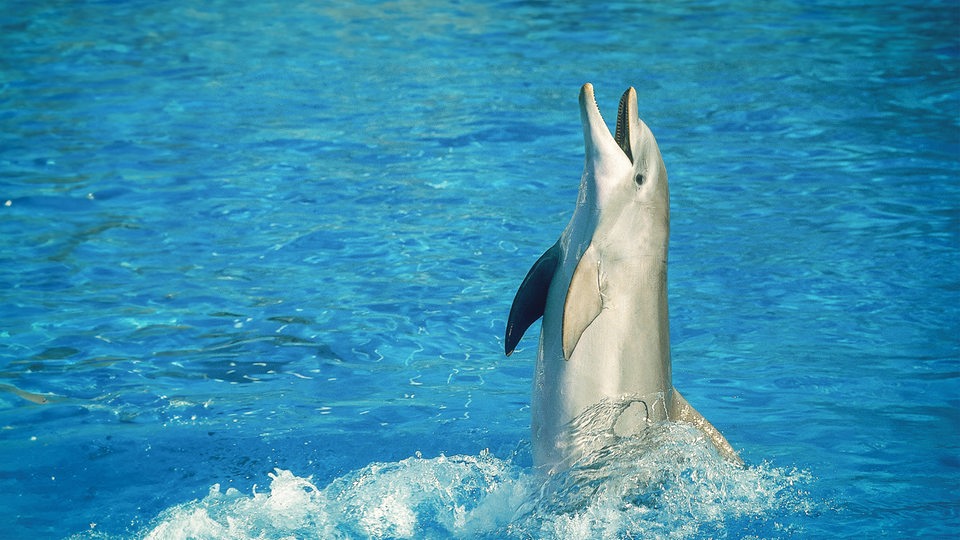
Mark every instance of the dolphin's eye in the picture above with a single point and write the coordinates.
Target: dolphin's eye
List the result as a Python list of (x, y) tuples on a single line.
[(638, 179)]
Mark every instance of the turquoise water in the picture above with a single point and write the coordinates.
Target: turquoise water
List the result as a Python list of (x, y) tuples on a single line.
[(256, 261)]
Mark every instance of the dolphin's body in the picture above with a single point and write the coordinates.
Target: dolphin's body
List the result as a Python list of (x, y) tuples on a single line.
[(602, 292)]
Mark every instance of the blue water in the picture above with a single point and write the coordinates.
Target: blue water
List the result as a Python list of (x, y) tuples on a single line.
[(256, 260)]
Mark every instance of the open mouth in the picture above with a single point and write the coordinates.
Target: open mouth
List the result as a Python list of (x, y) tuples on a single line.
[(596, 128)]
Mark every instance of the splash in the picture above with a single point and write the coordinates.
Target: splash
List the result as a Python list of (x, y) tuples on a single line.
[(441, 497), (666, 482)]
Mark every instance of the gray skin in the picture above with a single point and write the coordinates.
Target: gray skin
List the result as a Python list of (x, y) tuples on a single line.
[(602, 293)]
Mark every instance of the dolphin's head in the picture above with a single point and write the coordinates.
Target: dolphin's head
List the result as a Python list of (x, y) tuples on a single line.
[(624, 174)]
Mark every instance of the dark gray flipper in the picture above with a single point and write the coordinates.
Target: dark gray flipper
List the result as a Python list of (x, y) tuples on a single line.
[(531, 297)]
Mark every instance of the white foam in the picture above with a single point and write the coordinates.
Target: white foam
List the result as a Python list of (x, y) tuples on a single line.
[(667, 482)]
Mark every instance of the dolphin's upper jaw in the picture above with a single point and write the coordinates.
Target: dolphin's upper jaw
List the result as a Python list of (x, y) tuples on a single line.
[(609, 159)]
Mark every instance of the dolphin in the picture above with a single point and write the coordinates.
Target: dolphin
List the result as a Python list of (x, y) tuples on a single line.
[(602, 292)]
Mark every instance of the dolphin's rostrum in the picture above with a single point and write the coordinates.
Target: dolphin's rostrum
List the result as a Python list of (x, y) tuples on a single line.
[(602, 293)]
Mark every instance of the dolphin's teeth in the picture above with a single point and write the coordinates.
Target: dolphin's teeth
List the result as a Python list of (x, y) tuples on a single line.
[(596, 105), (593, 98), (623, 126)]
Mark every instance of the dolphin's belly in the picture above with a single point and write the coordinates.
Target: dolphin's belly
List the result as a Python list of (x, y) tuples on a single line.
[(610, 364)]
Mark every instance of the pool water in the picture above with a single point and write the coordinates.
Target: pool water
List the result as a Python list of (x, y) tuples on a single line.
[(256, 260)]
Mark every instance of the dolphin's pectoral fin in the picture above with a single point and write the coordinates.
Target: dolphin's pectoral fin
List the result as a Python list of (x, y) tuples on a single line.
[(584, 301), (684, 412), (531, 298)]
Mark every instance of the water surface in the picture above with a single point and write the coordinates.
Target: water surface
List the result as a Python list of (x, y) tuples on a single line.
[(256, 261)]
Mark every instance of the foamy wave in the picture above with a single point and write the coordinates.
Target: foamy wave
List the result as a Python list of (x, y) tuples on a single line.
[(667, 482), (441, 497)]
